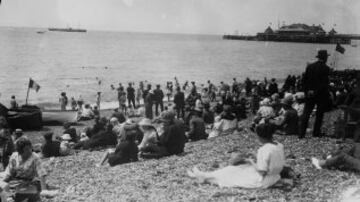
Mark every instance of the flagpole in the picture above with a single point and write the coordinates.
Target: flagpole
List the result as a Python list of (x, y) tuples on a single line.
[(27, 94)]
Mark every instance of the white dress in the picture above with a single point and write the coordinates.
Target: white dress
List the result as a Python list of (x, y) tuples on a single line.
[(270, 158)]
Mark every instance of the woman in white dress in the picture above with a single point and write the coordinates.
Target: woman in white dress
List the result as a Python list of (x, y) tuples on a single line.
[(262, 174)]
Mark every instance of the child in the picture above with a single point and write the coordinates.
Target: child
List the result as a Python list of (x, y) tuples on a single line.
[(262, 174), (73, 103), (65, 145)]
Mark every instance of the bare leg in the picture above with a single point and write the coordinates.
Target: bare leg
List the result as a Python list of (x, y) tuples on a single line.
[(105, 157)]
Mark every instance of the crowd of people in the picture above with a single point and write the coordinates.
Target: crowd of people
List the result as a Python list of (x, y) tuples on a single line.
[(207, 111)]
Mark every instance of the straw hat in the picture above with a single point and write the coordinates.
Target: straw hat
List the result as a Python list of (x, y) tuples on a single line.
[(145, 122), (66, 137)]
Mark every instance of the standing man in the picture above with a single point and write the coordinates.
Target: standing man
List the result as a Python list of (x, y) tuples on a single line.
[(179, 100), (131, 96), (316, 88), (63, 101), (148, 102), (158, 98)]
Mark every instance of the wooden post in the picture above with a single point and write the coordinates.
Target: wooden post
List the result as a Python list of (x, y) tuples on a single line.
[(27, 94)]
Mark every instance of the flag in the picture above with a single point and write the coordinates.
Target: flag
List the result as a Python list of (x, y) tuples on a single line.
[(339, 48), (34, 85)]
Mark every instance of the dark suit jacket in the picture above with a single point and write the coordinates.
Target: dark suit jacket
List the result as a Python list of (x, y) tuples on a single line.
[(316, 78), (179, 99)]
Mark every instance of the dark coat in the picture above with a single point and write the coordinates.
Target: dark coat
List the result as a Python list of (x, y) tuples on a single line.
[(316, 78), (179, 99), (158, 95), (173, 138), (51, 149), (125, 152)]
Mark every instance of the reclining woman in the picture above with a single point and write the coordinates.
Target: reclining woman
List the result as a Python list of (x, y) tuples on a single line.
[(25, 171), (262, 174), (341, 159)]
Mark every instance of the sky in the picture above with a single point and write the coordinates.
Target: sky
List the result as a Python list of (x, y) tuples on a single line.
[(181, 16)]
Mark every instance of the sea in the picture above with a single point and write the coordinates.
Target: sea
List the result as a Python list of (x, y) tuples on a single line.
[(85, 63)]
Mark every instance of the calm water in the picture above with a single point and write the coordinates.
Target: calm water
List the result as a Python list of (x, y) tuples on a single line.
[(74, 62)]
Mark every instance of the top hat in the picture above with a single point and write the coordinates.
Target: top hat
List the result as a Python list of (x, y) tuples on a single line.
[(322, 54)]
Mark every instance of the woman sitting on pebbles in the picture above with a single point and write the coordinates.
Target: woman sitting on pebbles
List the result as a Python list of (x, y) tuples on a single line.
[(151, 137), (126, 151), (25, 171), (262, 174)]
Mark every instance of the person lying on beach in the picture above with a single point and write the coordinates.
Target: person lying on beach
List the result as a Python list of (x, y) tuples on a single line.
[(263, 173), (341, 159), (126, 151), (24, 171)]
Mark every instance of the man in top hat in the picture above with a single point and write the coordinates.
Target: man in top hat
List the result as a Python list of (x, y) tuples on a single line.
[(158, 99), (316, 89)]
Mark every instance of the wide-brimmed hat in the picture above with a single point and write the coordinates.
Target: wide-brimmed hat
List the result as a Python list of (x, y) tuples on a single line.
[(66, 137), (322, 54), (145, 122)]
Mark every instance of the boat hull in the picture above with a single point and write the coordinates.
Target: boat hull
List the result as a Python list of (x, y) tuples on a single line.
[(58, 116), (66, 30)]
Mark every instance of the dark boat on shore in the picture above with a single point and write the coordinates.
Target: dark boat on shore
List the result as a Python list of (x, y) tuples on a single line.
[(66, 30), (300, 33), (27, 117)]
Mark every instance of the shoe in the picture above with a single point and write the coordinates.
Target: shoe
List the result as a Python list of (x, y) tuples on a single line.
[(316, 163)]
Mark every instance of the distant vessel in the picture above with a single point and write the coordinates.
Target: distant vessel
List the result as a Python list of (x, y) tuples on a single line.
[(40, 32), (66, 30), (301, 33)]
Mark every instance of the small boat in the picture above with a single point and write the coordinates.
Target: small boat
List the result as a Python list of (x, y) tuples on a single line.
[(58, 116), (27, 117), (40, 32), (66, 30)]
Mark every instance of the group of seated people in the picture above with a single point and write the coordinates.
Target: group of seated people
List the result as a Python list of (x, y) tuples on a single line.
[(167, 135)]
